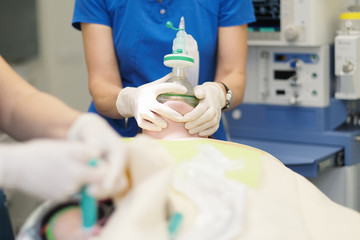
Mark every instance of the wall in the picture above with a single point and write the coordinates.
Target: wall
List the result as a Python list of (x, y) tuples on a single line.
[(61, 60), (58, 68)]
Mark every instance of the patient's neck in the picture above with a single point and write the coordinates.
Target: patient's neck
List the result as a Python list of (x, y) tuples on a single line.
[(174, 130)]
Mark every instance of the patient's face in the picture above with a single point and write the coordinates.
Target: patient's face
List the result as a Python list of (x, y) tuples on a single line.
[(174, 130)]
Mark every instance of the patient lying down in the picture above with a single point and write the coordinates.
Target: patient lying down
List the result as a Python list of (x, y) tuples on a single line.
[(213, 190)]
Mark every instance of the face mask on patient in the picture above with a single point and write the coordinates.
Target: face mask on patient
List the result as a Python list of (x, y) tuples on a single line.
[(174, 130)]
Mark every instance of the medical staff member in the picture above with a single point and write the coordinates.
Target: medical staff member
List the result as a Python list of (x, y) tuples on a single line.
[(52, 169), (125, 43)]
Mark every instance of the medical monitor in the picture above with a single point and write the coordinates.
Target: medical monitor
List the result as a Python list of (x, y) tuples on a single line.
[(267, 14), (294, 22)]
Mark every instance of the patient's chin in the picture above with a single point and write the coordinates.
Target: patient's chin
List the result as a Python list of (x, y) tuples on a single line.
[(179, 106), (174, 130)]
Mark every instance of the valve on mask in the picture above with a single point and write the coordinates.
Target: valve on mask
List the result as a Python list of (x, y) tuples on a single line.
[(179, 60)]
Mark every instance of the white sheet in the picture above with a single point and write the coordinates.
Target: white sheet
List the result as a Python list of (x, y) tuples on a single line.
[(278, 204)]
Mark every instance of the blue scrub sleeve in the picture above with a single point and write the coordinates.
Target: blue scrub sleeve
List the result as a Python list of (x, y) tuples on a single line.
[(236, 12), (91, 11)]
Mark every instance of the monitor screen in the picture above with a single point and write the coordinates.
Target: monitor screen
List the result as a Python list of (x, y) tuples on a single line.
[(267, 16)]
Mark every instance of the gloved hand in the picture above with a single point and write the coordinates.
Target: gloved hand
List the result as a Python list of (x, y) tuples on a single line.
[(48, 169), (95, 131), (141, 103), (205, 118)]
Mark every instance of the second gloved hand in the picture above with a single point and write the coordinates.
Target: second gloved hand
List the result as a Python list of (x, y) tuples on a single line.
[(48, 169), (141, 103), (205, 118), (92, 129)]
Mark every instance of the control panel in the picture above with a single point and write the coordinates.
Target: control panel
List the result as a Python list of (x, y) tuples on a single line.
[(288, 76)]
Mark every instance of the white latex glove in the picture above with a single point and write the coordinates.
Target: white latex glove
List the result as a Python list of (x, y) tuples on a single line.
[(141, 103), (48, 169), (95, 131), (205, 118)]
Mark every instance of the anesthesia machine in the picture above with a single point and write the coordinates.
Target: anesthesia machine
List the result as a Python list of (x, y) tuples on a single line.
[(295, 107)]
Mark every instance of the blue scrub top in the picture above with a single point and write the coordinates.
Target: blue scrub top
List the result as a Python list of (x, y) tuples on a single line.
[(141, 38)]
